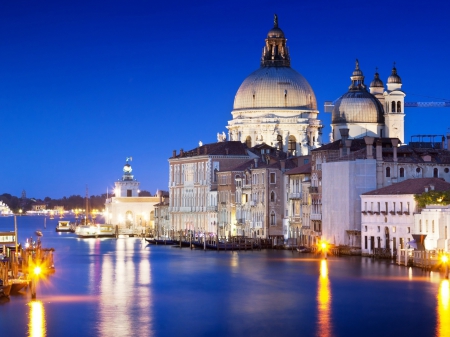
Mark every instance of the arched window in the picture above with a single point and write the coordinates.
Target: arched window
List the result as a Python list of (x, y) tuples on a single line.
[(280, 142), (272, 196), (402, 172), (272, 219), (399, 106), (388, 172), (435, 173), (393, 106), (248, 141), (292, 145)]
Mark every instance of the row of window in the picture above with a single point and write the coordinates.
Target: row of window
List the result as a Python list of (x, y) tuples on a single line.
[(402, 172), (396, 207)]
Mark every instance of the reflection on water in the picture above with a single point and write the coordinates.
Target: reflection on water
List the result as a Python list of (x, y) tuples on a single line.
[(443, 312), (37, 325), (122, 280), (324, 303)]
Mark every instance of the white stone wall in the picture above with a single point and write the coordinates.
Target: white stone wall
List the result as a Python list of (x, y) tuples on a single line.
[(437, 238), (342, 184), (397, 221)]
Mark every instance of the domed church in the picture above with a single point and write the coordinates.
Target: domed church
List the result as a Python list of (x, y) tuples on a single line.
[(275, 104), (375, 113)]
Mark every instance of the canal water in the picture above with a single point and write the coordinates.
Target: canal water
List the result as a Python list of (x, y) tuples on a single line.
[(124, 287)]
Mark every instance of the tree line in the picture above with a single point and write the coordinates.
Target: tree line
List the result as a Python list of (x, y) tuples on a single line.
[(69, 203)]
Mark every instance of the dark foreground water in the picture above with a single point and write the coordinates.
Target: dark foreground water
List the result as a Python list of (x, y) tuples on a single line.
[(109, 287)]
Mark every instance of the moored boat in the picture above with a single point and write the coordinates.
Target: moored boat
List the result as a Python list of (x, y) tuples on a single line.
[(17, 285), (95, 231), (63, 226)]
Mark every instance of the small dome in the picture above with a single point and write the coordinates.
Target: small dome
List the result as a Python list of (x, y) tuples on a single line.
[(376, 82), (357, 107), (275, 32), (394, 78)]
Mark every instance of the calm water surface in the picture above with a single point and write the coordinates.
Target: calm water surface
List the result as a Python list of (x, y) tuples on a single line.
[(123, 287)]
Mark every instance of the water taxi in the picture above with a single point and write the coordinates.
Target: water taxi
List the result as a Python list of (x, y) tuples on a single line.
[(95, 231), (64, 226)]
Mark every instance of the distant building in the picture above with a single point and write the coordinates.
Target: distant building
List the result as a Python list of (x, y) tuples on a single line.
[(126, 209), (162, 219), (38, 206)]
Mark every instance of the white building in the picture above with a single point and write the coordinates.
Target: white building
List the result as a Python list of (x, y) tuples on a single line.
[(389, 216), (275, 104), (127, 209)]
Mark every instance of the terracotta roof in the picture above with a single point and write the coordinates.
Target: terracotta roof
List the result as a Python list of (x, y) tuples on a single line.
[(412, 186), (304, 169)]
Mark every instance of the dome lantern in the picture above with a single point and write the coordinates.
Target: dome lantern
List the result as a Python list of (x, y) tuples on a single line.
[(275, 52)]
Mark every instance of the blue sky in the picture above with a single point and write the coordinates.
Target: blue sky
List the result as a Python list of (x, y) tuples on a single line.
[(85, 84)]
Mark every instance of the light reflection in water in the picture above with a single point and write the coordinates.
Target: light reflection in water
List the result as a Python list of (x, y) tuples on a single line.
[(125, 293), (324, 303), (443, 309), (37, 325)]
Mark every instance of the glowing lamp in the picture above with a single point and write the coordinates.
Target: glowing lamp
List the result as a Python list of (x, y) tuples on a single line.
[(37, 270)]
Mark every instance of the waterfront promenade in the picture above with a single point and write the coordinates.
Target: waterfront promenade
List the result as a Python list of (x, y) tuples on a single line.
[(124, 287)]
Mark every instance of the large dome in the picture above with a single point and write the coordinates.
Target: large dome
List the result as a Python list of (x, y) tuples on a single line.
[(357, 107), (275, 87)]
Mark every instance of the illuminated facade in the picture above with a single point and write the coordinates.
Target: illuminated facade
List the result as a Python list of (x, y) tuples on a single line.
[(127, 209), (275, 104)]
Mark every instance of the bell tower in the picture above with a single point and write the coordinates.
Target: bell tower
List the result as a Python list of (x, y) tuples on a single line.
[(394, 107)]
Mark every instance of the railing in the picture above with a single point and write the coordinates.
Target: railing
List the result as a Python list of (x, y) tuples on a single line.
[(297, 195), (211, 208), (315, 216), (258, 224), (296, 219)]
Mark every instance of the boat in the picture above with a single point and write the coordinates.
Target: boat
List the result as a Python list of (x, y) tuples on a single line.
[(95, 231), (63, 226), (303, 249), (39, 233)]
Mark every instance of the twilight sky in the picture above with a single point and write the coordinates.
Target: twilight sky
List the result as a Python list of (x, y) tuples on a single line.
[(85, 84)]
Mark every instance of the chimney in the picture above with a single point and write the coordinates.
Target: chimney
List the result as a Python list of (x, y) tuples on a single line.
[(341, 150), (369, 147), (394, 142), (426, 188), (379, 150), (283, 165), (174, 153), (256, 162), (206, 150), (344, 137), (443, 143), (432, 187), (181, 152), (198, 151), (348, 144)]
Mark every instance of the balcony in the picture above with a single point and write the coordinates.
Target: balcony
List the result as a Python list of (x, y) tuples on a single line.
[(211, 208), (185, 209), (316, 216), (296, 219), (297, 195), (392, 212), (313, 189)]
